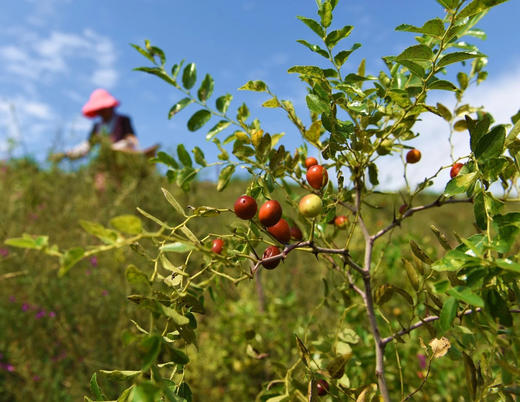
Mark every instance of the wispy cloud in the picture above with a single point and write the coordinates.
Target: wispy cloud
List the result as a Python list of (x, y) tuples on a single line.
[(49, 57), (498, 95)]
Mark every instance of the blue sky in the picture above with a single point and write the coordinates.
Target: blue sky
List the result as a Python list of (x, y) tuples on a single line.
[(53, 53)]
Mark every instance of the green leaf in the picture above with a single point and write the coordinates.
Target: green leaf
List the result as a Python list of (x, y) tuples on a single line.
[(448, 313), (449, 4), (179, 106), (342, 56), (206, 88), (198, 120), (304, 352), (95, 389), (317, 105), (478, 6), (497, 307), (372, 174), (307, 70), (189, 76), (22, 242), (460, 183), (441, 237), (178, 356), (184, 391), (336, 367), (107, 236), (223, 102), (491, 144), (176, 317), (508, 265), (225, 176), (507, 226), (167, 159), (217, 128), (442, 85), (170, 267), (273, 102), (243, 113), (120, 375), (143, 52), (176, 68), (466, 295), (199, 156), (314, 48), (420, 253), (416, 53), (433, 28), (415, 68), (411, 273), (313, 133), (456, 57), (183, 155), (334, 37), (151, 346), (325, 12), (146, 392), (314, 25), (137, 279), (177, 247), (479, 210), (158, 72), (130, 224), (257, 86), (444, 112), (173, 202)]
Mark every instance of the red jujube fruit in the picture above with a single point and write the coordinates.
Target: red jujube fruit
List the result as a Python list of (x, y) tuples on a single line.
[(271, 251), (270, 213), (245, 207)]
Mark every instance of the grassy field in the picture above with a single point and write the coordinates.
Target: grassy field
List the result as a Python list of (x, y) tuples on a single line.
[(55, 332)]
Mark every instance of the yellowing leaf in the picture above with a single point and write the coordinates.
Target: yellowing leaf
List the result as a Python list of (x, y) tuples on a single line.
[(439, 346), (256, 136)]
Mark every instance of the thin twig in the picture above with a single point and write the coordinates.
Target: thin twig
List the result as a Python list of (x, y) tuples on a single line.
[(437, 203), (428, 319), (422, 383)]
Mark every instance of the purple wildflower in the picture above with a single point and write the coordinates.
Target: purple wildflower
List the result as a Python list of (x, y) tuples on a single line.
[(104, 292), (12, 299), (422, 360), (36, 378), (40, 314), (93, 261), (4, 252), (9, 368), (52, 314), (25, 307)]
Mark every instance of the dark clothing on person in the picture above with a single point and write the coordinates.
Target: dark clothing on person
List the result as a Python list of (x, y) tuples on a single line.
[(118, 128)]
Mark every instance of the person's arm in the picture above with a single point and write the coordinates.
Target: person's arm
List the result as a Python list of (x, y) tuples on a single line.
[(79, 150), (82, 148), (129, 141)]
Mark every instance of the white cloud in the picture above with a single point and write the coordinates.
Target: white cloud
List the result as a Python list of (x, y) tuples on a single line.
[(105, 77), (499, 96), (43, 10), (48, 58)]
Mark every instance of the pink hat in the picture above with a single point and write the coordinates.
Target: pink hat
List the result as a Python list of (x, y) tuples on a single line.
[(99, 99)]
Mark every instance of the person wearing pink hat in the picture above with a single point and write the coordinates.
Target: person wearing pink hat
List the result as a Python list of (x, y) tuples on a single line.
[(114, 125)]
